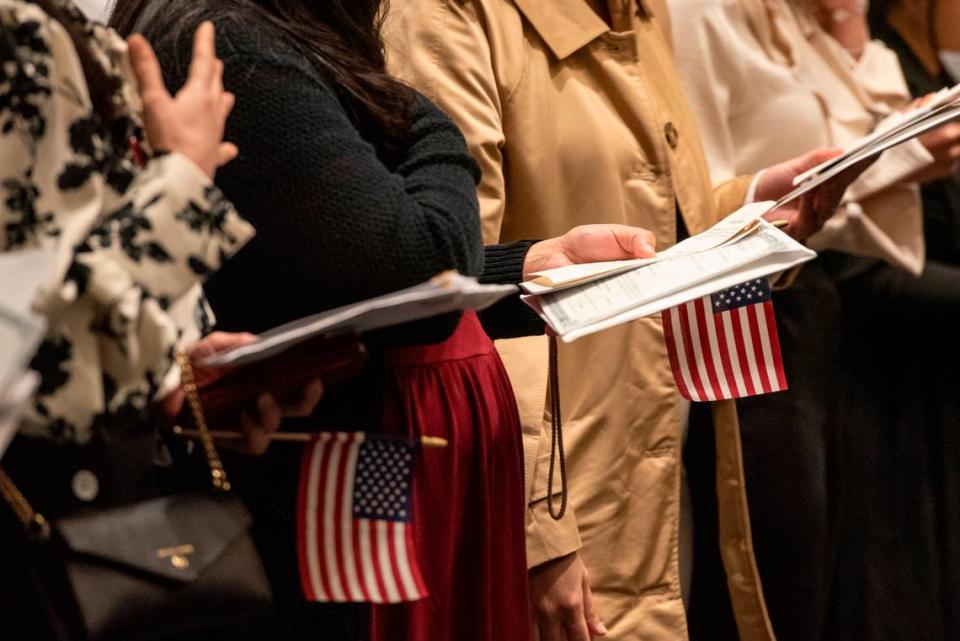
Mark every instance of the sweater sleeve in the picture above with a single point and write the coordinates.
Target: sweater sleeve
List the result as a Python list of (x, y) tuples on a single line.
[(510, 317)]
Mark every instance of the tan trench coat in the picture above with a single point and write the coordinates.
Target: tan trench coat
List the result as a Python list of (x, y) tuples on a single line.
[(574, 123)]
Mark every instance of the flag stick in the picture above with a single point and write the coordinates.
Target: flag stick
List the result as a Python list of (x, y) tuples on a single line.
[(292, 437)]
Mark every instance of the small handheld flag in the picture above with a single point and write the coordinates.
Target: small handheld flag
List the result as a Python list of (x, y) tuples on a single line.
[(354, 539), (725, 345)]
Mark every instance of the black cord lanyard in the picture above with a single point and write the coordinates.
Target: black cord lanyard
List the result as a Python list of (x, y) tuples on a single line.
[(556, 438)]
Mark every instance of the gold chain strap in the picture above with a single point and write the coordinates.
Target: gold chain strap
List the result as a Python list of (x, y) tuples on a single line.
[(218, 475), (19, 504), (32, 519), (556, 437)]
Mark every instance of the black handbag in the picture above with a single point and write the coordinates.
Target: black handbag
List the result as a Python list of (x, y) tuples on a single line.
[(166, 568)]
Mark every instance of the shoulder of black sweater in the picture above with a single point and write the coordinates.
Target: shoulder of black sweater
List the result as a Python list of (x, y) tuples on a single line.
[(335, 225)]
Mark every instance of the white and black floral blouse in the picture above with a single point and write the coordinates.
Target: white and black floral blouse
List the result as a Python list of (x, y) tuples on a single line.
[(133, 244)]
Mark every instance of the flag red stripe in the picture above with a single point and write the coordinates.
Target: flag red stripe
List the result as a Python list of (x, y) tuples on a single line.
[(775, 344), (725, 355), (741, 352), (671, 339), (378, 568), (375, 544), (758, 357), (358, 560), (325, 580), (354, 567), (338, 515), (709, 365), (688, 348), (302, 517), (394, 567)]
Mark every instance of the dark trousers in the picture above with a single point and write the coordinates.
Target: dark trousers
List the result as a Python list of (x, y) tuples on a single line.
[(785, 447), (853, 475)]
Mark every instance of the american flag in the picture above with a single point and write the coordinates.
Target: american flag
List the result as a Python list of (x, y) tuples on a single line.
[(354, 539), (725, 345)]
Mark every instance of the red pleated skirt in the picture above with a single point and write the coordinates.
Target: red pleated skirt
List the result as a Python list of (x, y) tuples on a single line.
[(468, 498)]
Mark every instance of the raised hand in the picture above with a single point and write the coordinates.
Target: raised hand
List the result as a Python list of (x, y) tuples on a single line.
[(191, 122)]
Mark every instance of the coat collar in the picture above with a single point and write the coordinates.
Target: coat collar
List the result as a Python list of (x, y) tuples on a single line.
[(911, 20), (565, 25)]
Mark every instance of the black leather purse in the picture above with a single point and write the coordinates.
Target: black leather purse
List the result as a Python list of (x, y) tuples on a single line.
[(167, 568)]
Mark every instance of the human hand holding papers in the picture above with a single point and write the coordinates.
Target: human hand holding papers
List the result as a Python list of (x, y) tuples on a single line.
[(579, 300), (925, 115), (325, 346), (442, 294)]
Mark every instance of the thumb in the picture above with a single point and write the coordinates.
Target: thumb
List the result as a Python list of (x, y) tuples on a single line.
[(589, 613), (634, 241)]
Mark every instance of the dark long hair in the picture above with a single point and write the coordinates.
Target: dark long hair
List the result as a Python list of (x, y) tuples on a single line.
[(341, 37)]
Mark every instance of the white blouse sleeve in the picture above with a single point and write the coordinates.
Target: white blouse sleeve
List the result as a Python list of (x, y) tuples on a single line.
[(709, 58)]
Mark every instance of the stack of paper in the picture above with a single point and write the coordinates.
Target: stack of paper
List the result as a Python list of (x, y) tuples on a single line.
[(443, 294), (21, 330), (583, 299), (930, 113)]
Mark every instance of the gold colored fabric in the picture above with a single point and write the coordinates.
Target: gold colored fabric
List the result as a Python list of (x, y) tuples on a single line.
[(575, 123)]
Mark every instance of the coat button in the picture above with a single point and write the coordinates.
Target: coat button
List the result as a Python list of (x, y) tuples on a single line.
[(85, 485), (671, 134)]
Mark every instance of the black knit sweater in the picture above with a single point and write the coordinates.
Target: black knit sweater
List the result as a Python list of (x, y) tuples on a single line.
[(335, 223)]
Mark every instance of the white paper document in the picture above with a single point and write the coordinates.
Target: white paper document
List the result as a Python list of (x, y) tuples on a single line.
[(21, 276), (729, 230), (12, 403), (446, 293), (644, 290), (932, 112)]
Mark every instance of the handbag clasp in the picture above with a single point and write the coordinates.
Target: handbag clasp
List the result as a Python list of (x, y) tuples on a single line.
[(177, 555)]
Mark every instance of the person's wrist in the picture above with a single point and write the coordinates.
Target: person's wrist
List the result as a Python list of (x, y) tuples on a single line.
[(536, 258), (202, 161)]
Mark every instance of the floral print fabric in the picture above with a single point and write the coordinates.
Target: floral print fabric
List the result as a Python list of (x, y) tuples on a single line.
[(133, 244)]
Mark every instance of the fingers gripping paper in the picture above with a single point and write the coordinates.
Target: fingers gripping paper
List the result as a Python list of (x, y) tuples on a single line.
[(583, 305), (712, 292)]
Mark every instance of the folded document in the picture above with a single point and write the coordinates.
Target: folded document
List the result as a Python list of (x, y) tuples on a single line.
[(929, 113), (448, 292), (580, 300)]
